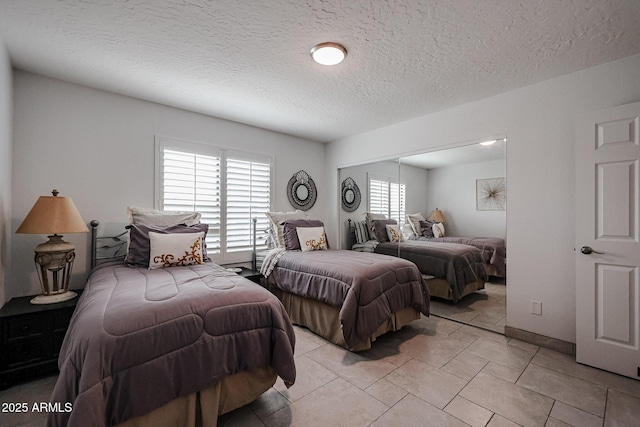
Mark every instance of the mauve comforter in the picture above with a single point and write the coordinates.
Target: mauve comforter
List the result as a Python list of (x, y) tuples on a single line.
[(457, 264), (493, 249), (367, 287), (140, 338)]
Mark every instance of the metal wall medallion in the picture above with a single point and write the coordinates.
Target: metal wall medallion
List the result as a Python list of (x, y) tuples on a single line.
[(301, 191), (350, 195)]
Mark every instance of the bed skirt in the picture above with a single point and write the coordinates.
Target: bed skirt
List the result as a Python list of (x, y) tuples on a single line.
[(203, 408), (324, 320), (440, 288)]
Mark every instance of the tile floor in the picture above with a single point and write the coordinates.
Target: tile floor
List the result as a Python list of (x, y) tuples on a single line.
[(486, 308), (434, 372)]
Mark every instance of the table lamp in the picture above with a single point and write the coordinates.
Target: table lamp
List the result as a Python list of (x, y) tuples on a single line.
[(53, 215), (436, 215)]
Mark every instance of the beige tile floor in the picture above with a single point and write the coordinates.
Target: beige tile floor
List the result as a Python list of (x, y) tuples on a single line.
[(486, 308), (434, 372)]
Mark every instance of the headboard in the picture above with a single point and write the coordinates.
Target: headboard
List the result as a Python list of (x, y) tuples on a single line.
[(105, 248)]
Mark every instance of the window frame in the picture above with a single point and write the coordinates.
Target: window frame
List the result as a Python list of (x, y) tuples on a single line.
[(224, 153)]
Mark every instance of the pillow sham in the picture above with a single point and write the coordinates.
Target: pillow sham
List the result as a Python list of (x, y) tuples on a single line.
[(156, 218), (312, 239), (172, 250), (380, 229), (290, 232), (369, 218), (140, 248), (438, 230), (426, 229), (414, 220), (277, 218), (394, 234)]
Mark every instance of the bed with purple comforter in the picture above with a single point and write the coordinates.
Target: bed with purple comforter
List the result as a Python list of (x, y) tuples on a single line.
[(367, 288), (493, 250), (140, 338), (460, 265)]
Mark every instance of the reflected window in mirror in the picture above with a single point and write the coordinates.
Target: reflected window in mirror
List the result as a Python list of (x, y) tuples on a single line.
[(387, 197)]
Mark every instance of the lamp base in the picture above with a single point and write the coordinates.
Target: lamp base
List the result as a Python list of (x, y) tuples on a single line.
[(52, 299)]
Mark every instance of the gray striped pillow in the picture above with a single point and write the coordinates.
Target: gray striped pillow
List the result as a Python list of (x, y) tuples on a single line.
[(362, 232)]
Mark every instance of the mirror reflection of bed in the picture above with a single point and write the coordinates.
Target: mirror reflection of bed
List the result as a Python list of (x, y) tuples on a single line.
[(453, 181)]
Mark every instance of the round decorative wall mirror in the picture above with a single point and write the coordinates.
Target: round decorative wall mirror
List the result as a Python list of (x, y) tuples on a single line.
[(301, 191), (350, 195)]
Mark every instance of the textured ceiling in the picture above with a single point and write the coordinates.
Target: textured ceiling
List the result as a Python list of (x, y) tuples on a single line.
[(248, 61)]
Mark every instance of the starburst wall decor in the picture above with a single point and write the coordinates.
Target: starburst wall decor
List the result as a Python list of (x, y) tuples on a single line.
[(491, 194)]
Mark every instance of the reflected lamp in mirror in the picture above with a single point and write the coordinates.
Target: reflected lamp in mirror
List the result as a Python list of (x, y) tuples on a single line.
[(436, 215), (53, 215)]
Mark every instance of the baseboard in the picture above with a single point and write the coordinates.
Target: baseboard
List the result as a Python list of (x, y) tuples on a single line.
[(540, 340)]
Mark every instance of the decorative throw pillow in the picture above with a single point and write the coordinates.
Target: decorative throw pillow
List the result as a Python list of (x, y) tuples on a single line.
[(380, 229), (156, 218), (290, 233), (414, 220), (312, 239), (362, 232), (393, 233), (277, 218), (171, 250), (426, 229), (369, 218), (139, 245), (438, 230)]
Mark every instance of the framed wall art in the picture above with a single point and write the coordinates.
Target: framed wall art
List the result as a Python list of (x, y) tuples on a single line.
[(491, 194)]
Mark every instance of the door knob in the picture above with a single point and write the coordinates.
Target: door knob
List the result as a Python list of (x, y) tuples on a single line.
[(588, 250)]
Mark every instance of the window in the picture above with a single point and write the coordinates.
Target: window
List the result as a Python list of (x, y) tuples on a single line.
[(228, 188), (386, 197)]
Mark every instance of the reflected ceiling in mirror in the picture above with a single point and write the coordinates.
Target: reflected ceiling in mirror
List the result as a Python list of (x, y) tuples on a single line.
[(458, 155)]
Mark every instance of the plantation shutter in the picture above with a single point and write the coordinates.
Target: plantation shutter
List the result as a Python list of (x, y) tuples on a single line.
[(192, 182), (396, 202), (248, 196), (378, 196)]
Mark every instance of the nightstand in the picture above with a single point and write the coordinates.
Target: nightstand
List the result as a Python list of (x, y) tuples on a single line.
[(252, 275), (31, 337)]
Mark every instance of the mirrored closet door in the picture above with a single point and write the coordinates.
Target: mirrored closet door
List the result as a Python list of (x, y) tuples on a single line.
[(463, 190)]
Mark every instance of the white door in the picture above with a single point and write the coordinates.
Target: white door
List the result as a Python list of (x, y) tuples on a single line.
[(607, 239)]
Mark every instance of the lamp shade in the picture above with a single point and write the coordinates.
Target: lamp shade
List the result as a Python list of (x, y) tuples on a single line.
[(436, 215), (53, 215)]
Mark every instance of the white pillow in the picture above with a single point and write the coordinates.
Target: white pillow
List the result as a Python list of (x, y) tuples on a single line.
[(312, 238), (394, 233), (156, 218), (170, 250), (414, 221), (438, 229), (277, 218)]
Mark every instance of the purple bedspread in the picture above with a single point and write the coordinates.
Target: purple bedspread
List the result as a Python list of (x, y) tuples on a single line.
[(367, 287), (458, 264), (140, 338), (493, 249)]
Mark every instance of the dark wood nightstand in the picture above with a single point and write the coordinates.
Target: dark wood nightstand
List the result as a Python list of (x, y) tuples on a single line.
[(31, 337), (252, 275)]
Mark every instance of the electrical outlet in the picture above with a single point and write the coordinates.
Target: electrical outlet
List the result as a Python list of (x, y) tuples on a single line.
[(536, 308)]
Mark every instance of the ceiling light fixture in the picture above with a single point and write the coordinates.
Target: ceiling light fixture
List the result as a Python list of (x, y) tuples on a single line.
[(328, 53), (493, 141)]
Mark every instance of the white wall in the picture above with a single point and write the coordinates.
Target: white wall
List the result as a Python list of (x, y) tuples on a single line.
[(452, 189), (6, 109), (98, 148), (539, 124)]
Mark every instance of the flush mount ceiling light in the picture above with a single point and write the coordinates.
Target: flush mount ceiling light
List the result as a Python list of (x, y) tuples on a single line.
[(328, 53)]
